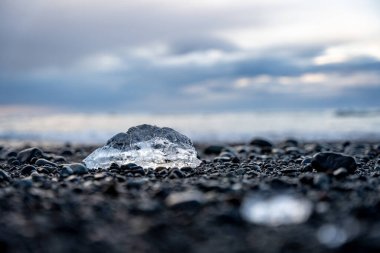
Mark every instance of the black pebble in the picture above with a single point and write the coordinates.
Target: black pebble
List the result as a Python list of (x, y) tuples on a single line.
[(329, 162), (26, 155), (261, 143), (78, 168), (4, 176), (213, 150), (41, 162), (27, 170), (65, 171)]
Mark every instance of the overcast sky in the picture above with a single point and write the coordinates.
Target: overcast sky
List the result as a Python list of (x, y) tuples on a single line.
[(189, 56)]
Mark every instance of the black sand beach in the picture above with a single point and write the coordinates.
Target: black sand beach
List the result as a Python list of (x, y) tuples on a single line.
[(50, 203)]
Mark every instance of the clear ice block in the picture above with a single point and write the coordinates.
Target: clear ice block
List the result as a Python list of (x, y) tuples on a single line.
[(147, 146)]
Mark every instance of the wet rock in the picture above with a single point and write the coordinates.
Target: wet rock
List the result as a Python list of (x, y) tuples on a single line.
[(13, 161), (111, 190), (329, 162), (67, 152), (187, 170), (133, 169), (213, 150), (235, 160), (78, 168), (135, 184), (23, 183), (4, 176), (289, 143), (7, 154), (27, 170), (321, 181), (65, 171), (176, 173), (306, 161), (26, 155), (261, 143), (42, 162), (36, 177)]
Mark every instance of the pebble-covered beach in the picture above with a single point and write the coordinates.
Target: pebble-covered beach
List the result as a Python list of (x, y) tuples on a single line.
[(237, 200)]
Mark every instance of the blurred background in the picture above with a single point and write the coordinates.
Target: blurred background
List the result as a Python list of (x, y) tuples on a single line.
[(216, 70)]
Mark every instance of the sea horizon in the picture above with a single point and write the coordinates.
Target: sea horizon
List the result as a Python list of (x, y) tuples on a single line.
[(210, 127)]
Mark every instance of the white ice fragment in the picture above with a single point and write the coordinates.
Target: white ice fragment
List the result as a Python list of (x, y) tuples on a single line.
[(331, 235), (276, 210), (147, 146)]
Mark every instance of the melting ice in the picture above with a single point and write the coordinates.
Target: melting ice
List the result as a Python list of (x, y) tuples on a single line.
[(147, 146), (277, 210)]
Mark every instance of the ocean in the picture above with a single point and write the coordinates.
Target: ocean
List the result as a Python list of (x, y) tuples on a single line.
[(96, 128)]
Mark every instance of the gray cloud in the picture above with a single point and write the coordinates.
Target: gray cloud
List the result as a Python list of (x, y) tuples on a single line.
[(45, 46)]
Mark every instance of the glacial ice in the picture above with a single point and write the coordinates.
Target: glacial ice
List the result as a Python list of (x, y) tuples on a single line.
[(277, 210), (147, 146)]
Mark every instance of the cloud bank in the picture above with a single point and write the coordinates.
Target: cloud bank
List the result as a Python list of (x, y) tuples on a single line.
[(176, 56)]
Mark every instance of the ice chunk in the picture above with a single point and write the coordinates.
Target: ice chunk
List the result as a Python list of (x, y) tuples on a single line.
[(331, 235), (147, 146), (276, 210)]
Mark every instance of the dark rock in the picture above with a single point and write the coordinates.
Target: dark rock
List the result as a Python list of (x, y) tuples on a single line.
[(133, 169), (176, 173), (128, 166), (26, 155), (261, 143), (65, 171), (4, 176), (213, 150), (13, 161), (235, 160), (58, 159), (67, 152), (329, 162), (23, 183), (114, 166), (49, 168), (42, 162), (27, 170), (36, 177), (290, 143), (306, 168), (187, 169), (321, 181), (306, 178), (78, 168), (111, 190), (280, 184), (292, 150), (135, 184), (306, 161), (7, 154)]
